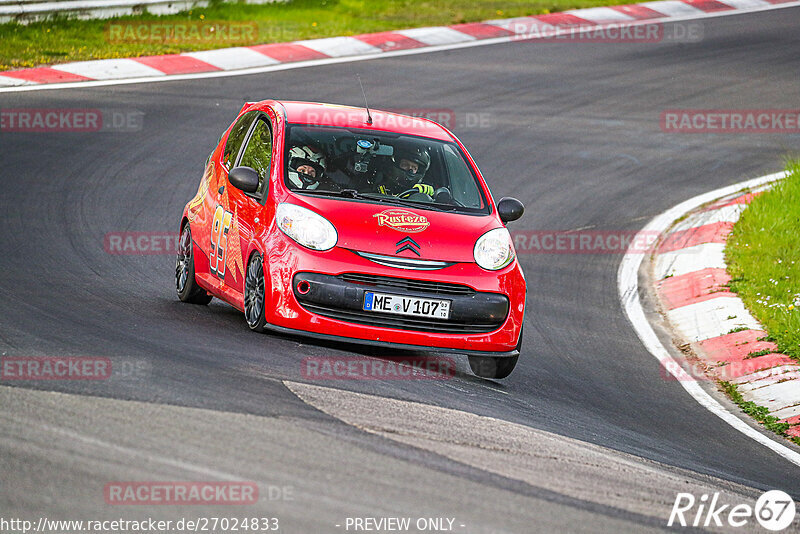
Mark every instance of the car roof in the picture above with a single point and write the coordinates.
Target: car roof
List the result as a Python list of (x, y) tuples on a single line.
[(352, 117)]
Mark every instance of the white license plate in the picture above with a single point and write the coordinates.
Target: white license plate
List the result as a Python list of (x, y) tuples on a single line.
[(417, 307)]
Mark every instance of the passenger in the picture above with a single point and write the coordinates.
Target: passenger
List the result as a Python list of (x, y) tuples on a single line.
[(306, 167)]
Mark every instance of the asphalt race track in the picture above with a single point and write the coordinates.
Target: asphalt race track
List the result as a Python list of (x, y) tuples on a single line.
[(570, 129)]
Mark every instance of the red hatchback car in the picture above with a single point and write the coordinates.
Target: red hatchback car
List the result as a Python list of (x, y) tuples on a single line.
[(369, 227)]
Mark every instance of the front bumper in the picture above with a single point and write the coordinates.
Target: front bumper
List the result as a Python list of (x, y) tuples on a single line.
[(388, 344), (342, 297), (487, 308)]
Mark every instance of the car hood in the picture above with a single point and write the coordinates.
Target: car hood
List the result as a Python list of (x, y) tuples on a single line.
[(402, 232)]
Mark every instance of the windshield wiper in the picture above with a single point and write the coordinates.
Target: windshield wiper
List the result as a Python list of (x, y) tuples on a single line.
[(406, 201), (346, 193), (349, 193), (352, 193)]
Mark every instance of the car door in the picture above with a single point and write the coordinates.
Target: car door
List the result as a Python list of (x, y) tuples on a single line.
[(218, 217), (243, 209), (237, 212)]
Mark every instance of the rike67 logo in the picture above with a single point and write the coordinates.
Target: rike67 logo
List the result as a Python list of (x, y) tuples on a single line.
[(774, 510)]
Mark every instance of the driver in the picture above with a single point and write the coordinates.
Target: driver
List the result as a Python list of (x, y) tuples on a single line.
[(306, 167), (405, 172)]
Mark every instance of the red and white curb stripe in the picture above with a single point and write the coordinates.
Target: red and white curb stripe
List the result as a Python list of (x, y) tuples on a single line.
[(375, 44), (701, 288), (691, 281)]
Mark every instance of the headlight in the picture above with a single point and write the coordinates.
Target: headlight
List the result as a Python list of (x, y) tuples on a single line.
[(494, 249), (306, 227)]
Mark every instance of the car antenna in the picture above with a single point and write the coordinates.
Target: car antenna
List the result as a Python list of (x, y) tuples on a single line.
[(366, 104)]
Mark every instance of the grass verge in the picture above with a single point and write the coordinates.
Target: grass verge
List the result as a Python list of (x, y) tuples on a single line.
[(763, 257), (759, 413), (62, 40)]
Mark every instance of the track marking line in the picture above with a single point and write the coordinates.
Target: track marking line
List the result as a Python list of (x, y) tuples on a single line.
[(352, 59), (628, 285)]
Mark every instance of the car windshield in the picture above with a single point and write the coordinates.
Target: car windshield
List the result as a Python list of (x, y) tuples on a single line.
[(381, 167)]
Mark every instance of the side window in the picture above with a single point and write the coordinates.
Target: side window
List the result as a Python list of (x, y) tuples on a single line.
[(258, 153), (236, 137), (462, 183)]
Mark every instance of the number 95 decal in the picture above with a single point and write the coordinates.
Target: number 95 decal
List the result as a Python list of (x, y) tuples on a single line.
[(219, 241)]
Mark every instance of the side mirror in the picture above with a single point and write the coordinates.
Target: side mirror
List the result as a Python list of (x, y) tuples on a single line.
[(244, 178), (510, 209)]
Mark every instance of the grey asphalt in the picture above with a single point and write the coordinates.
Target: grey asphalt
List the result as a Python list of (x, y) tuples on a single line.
[(573, 131)]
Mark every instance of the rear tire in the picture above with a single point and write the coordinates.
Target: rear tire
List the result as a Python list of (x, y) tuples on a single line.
[(492, 367), (254, 294), (185, 283)]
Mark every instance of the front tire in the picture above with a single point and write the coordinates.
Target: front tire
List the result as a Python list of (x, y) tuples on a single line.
[(491, 367), (254, 294), (185, 283)]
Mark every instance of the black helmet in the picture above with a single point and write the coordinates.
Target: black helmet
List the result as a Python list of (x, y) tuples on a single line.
[(417, 155)]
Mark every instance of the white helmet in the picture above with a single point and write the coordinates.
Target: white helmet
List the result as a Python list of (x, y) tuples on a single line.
[(306, 156)]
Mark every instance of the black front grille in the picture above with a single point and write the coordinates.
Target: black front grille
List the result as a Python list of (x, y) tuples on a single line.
[(404, 323), (342, 298), (439, 288)]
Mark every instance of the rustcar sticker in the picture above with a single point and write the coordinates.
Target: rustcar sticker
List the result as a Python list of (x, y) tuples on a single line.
[(219, 241), (402, 220)]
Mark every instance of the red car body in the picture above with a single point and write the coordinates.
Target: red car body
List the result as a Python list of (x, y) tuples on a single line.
[(221, 258)]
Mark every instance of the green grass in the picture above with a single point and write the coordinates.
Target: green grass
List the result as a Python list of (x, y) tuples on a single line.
[(758, 353), (62, 40), (738, 329), (763, 256), (759, 413)]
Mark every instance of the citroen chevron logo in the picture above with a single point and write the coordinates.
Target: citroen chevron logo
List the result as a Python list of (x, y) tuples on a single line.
[(407, 244)]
